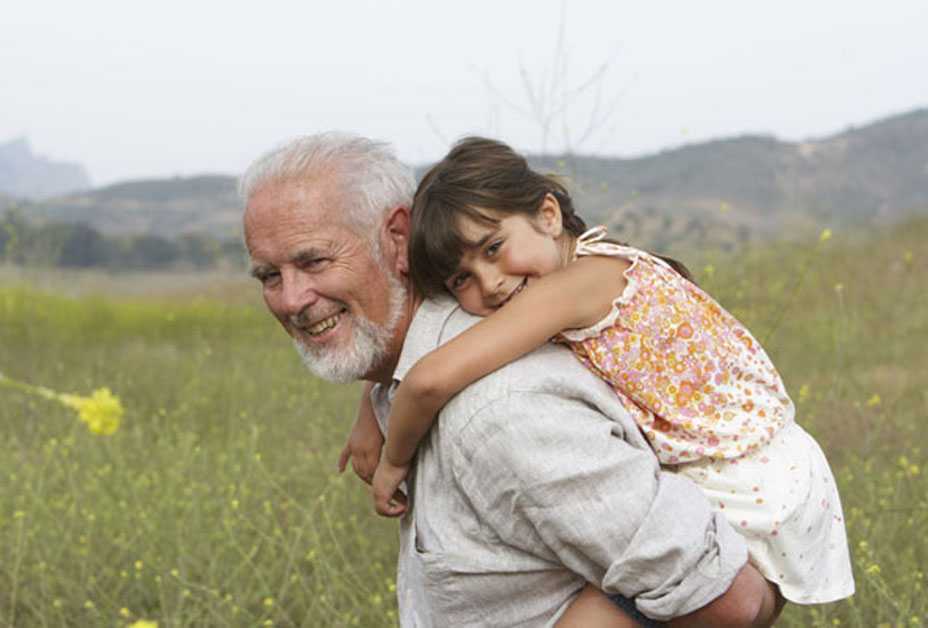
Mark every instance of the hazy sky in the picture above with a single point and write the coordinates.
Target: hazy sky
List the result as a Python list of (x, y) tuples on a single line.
[(179, 87)]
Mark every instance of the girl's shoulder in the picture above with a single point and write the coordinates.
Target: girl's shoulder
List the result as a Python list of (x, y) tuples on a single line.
[(641, 271), (639, 268)]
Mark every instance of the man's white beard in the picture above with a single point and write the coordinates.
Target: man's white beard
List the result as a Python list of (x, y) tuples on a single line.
[(367, 348)]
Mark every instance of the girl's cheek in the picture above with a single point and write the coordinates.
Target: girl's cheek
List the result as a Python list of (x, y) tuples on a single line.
[(466, 301), (522, 264)]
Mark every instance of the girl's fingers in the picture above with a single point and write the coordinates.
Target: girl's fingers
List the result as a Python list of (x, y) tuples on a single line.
[(391, 508), (366, 474), (343, 459)]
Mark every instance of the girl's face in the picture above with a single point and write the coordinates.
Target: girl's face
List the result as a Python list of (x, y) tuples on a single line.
[(506, 256)]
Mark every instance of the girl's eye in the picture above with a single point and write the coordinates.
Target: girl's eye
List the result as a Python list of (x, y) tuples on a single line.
[(493, 249), (457, 282)]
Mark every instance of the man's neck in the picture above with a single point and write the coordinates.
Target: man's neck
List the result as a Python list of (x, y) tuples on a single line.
[(384, 374)]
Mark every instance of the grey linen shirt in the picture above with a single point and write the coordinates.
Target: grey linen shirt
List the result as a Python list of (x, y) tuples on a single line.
[(535, 481)]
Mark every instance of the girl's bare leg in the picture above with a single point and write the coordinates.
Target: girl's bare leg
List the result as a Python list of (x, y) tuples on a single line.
[(592, 609)]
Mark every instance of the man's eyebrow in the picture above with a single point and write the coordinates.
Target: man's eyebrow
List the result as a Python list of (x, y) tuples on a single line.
[(306, 255), (300, 257), (257, 270)]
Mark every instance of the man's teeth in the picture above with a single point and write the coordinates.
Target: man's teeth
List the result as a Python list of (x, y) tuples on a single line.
[(323, 325)]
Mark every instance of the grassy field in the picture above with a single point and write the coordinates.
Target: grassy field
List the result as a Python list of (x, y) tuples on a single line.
[(217, 502)]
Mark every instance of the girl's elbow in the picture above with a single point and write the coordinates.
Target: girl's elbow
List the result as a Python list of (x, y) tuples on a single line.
[(424, 385)]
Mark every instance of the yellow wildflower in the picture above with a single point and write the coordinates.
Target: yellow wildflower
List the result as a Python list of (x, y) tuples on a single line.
[(143, 623), (102, 411), (825, 235), (873, 401), (803, 392)]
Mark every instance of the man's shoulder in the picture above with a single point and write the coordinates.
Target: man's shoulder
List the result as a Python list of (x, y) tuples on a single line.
[(550, 376), (538, 369)]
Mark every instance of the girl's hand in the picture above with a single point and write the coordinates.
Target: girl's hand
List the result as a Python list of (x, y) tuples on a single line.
[(363, 446), (388, 500)]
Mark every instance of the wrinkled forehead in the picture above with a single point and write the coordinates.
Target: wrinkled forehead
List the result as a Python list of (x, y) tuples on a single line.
[(283, 217), (311, 194)]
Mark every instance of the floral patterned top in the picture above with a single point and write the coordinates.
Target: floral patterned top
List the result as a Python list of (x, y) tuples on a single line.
[(694, 378)]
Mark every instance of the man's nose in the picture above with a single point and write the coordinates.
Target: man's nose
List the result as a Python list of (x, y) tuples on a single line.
[(298, 291)]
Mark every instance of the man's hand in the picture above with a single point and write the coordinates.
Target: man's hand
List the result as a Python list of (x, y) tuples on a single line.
[(388, 500), (363, 446), (750, 602)]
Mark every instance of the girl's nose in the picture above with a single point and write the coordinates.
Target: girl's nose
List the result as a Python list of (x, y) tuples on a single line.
[(491, 284)]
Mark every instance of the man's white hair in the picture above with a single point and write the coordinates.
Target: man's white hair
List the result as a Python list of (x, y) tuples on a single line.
[(368, 172)]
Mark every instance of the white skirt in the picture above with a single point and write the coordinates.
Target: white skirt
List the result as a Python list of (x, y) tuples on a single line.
[(784, 501)]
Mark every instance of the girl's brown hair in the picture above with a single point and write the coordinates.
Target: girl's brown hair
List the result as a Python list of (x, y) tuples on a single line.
[(476, 177)]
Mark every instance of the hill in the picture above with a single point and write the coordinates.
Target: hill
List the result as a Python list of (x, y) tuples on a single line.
[(25, 175), (201, 205), (755, 187), (720, 193)]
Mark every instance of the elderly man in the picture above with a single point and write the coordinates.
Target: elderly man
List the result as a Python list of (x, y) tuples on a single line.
[(534, 481)]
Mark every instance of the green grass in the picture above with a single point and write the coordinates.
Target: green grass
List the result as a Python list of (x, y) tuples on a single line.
[(217, 504)]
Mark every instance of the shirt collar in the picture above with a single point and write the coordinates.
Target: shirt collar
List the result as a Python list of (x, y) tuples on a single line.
[(424, 333)]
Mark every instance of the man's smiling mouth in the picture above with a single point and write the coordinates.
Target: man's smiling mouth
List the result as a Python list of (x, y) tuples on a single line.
[(324, 325)]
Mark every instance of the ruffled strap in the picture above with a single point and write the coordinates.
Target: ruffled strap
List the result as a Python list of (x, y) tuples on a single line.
[(594, 242)]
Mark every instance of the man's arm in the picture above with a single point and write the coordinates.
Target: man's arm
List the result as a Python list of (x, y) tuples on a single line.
[(749, 602), (555, 480)]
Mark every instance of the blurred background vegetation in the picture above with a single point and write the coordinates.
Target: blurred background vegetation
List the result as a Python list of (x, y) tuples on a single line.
[(217, 502)]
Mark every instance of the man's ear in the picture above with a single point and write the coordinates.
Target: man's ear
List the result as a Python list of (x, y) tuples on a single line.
[(395, 236), (549, 216)]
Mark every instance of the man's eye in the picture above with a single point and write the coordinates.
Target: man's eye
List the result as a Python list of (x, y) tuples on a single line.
[(267, 278), (315, 263)]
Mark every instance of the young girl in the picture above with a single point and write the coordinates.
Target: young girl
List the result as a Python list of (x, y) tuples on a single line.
[(506, 243)]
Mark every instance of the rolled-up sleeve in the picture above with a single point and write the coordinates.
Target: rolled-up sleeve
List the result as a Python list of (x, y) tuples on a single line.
[(558, 480)]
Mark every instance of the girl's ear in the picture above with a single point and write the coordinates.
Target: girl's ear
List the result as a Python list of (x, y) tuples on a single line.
[(550, 219)]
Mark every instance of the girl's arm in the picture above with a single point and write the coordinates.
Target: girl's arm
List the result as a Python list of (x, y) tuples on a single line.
[(576, 296), (364, 442)]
